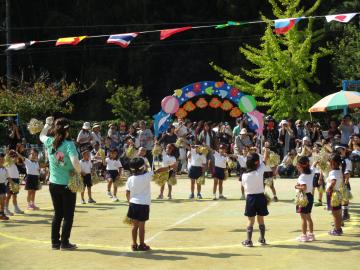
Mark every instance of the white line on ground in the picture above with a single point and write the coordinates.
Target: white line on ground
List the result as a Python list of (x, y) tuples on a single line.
[(181, 221)]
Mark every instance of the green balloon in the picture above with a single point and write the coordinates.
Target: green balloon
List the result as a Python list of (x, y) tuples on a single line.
[(247, 104)]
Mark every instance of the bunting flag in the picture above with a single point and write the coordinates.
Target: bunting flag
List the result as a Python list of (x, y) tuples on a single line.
[(20, 46), (70, 40), (169, 32), (344, 18), (282, 26), (123, 40), (229, 23)]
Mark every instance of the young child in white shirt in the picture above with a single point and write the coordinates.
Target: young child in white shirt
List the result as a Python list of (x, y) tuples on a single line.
[(138, 194), (32, 179), (86, 167), (3, 182), (197, 162), (219, 171), (242, 164), (142, 154), (113, 170), (256, 203), (168, 159)]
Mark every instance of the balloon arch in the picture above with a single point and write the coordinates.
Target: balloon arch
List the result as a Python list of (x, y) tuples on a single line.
[(180, 104)]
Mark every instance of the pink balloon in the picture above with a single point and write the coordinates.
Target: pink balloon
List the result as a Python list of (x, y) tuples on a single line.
[(170, 104)]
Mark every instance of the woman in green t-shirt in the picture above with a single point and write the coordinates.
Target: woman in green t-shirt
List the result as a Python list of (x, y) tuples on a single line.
[(63, 160)]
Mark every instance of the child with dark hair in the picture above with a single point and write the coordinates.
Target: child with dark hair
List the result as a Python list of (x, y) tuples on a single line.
[(86, 168), (168, 159), (113, 171), (256, 203), (333, 183), (305, 184), (3, 180), (219, 171), (138, 194)]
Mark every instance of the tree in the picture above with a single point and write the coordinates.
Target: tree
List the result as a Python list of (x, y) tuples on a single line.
[(39, 97), (127, 102), (284, 66), (346, 54)]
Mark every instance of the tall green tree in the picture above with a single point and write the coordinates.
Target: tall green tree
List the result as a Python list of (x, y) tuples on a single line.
[(284, 66), (127, 102)]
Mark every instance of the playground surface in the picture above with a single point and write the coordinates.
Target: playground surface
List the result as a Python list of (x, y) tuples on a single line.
[(184, 234)]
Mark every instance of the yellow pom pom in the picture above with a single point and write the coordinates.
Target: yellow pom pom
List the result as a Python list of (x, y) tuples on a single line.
[(76, 184), (127, 221), (35, 126), (274, 159), (172, 181), (301, 199), (336, 198), (201, 180), (156, 150), (15, 188), (161, 178)]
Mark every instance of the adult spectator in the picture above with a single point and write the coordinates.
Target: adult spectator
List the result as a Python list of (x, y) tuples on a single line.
[(317, 135), (168, 137), (333, 130), (242, 141), (123, 134), (271, 134), (14, 136), (346, 128), (146, 140), (84, 137), (134, 135), (181, 130), (285, 135), (224, 137), (354, 141), (63, 160), (96, 134), (113, 135), (238, 127), (300, 130), (207, 137)]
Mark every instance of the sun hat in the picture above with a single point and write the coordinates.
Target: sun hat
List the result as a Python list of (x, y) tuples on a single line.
[(86, 126), (283, 122), (243, 131), (96, 125)]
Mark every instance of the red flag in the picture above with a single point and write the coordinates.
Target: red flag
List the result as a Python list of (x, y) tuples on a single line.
[(169, 32), (344, 18)]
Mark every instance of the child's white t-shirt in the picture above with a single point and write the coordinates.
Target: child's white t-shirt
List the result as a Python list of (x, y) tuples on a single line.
[(86, 166), (13, 171), (307, 179), (3, 176), (32, 167), (168, 160), (196, 159), (253, 182), (113, 164), (348, 167), (242, 161), (338, 176), (139, 187), (356, 152), (220, 160)]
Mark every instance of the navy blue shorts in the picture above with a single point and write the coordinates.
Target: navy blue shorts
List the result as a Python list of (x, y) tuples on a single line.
[(3, 189), (31, 182), (15, 180), (87, 180), (112, 174), (195, 172), (268, 175), (307, 209), (256, 205), (316, 180), (138, 212), (219, 173)]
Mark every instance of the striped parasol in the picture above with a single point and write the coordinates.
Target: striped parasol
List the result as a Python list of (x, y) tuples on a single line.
[(337, 101)]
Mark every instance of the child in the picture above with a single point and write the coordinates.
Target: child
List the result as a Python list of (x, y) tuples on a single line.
[(256, 203), (13, 174), (86, 166), (197, 168), (333, 183), (3, 181), (142, 154), (219, 171), (113, 170), (32, 178), (269, 173), (168, 159), (138, 194), (242, 163), (305, 184), (355, 159)]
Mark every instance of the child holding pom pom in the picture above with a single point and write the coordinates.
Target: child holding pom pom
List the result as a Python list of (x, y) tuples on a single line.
[(197, 169), (3, 181), (333, 184), (256, 202), (113, 171), (219, 171), (305, 184), (138, 194), (168, 159), (86, 166)]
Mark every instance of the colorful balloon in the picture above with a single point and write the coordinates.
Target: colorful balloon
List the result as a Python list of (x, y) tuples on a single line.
[(247, 104), (170, 104)]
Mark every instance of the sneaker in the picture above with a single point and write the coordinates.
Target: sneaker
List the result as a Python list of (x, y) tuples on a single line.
[(83, 201), (346, 217), (214, 197), (311, 237), (222, 197), (91, 200), (302, 238), (335, 232), (134, 247), (247, 243), (115, 199), (143, 247), (68, 246), (109, 194), (7, 212), (35, 207), (199, 196), (55, 246), (17, 210), (318, 204), (30, 207), (262, 242), (191, 196), (275, 199), (3, 217), (160, 197), (242, 198)]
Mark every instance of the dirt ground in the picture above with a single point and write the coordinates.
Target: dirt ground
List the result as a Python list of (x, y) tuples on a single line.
[(184, 234)]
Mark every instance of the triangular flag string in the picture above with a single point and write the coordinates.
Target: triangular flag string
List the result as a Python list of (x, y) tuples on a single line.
[(165, 33)]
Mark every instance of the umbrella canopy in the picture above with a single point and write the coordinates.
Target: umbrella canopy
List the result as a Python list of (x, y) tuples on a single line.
[(337, 101)]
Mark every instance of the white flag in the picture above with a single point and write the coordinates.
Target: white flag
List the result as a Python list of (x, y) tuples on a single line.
[(20, 46), (344, 18)]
